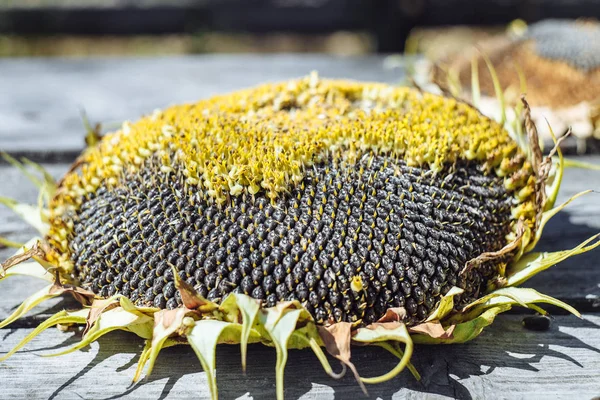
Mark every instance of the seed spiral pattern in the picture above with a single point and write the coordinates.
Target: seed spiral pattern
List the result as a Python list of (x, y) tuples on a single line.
[(349, 241)]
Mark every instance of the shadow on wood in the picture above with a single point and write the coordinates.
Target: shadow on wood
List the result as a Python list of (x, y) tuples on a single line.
[(506, 344)]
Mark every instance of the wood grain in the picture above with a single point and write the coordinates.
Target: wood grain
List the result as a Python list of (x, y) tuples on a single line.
[(506, 361)]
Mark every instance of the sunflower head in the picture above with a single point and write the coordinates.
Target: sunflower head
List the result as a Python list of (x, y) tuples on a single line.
[(305, 214)]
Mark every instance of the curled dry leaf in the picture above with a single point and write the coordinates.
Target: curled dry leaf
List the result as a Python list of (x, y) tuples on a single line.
[(35, 251), (190, 297), (98, 307), (433, 329), (170, 320), (81, 295), (541, 167), (494, 255), (393, 314), (337, 339)]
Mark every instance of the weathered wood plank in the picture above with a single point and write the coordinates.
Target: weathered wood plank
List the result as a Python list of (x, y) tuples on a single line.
[(42, 115), (506, 361)]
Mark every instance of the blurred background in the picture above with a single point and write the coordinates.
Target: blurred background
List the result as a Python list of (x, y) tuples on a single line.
[(79, 28), (558, 58)]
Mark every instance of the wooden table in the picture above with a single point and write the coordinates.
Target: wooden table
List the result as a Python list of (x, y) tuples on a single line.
[(39, 111)]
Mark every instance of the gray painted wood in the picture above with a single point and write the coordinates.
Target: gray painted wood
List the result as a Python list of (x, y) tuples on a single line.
[(41, 98), (506, 361), (39, 110)]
